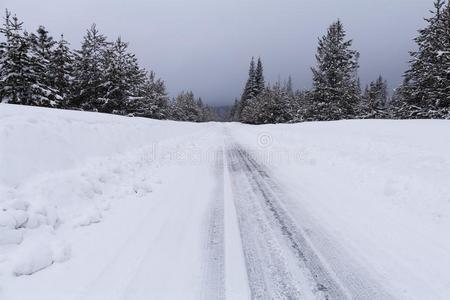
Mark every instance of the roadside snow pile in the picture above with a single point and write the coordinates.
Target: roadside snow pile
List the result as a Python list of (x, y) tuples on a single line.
[(28, 242), (60, 170), (39, 249), (33, 235)]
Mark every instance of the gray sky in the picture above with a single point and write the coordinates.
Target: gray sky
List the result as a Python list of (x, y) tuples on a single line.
[(206, 45)]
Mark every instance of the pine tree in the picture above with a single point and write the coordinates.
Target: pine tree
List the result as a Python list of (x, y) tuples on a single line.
[(259, 79), (185, 108), (426, 92), (89, 71), (358, 87), (2, 49), (152, 101), (206, 113), (44, 92), (122, 78), (209, 114), (200, 102), (249, 114), (335, 78), (249, 90), (16, 78), (61, 70), (374, 100), (300, 104), (250, 86), (272, 106), (202, 110)]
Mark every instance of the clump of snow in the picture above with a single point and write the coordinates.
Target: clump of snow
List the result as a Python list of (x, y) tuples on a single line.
[(7, 220), (10, 236), (34, 254), (90, 216), (20, 205), (39, 250), (20, 217), (61, 251)]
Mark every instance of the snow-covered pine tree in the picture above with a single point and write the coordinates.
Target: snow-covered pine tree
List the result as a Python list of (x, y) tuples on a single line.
[(206, 113), (61, 70), (16, 78), (335, 80), (249, 90), (374, 100), (443, 91), (250, 86), (397, 106), (44, 92), (152, 101), (200, 102), (358, 88), (426, 92), (272, 106), (185, 108), (249, 113), (202, 110), (260, 83), (122, 78), (299, 105), (2, 49), (89, 81)]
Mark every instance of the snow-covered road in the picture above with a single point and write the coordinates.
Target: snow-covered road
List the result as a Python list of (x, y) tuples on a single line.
[(221, 211)]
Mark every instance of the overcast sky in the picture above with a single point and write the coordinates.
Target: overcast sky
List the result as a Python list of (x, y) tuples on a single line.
[(206, 45)]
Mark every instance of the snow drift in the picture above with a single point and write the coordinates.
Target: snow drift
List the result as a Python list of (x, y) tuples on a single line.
[(59, 170)]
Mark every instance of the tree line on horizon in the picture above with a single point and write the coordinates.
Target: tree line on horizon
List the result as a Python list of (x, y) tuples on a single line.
[(337, 94), (101, 76), (104, 76)]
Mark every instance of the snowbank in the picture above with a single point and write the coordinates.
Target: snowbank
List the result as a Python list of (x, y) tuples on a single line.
[(60, 170), (38, 140)]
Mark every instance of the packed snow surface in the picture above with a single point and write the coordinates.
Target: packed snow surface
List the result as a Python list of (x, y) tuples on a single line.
[(95, 206)]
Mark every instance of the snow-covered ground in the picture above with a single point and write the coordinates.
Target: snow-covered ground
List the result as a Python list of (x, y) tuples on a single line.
[(95, 206)]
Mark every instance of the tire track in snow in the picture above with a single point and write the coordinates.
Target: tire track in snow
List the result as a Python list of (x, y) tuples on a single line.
[(269, 265), (281, 261), (214, 266), (319, 281), (352, 278)]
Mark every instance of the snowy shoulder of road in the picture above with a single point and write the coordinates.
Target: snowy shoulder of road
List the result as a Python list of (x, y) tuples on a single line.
[(377, 190), (92, 204)]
